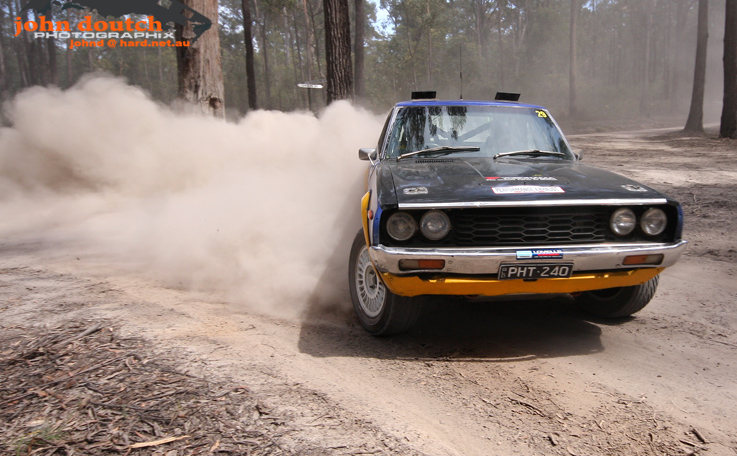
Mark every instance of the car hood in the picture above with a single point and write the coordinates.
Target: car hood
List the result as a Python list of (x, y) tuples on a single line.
[(475, 180)]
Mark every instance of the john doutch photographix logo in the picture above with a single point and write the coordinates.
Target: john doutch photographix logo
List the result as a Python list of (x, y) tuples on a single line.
[(155, 26)]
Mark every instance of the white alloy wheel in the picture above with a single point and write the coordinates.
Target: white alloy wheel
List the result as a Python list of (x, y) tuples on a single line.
[(380, 312), (371, 291)]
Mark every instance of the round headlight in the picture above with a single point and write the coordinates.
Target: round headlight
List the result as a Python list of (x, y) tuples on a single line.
[(401, 226), (435, 225), (653, 221), (623, 221)]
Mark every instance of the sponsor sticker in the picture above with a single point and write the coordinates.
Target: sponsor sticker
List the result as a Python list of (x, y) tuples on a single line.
[(415, 191), (517, 189), (540, 253), (522, 178), (634, 188)]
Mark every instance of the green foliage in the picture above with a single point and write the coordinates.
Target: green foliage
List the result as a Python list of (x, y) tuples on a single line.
[(40, 437)]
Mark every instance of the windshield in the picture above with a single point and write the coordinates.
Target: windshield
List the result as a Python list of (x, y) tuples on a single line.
[(491, 129)]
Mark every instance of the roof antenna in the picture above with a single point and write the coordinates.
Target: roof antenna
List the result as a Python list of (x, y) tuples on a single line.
[(460, 51)]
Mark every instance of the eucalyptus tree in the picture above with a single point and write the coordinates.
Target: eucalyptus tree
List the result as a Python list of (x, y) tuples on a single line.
[(248, 41), (728, 127), (695, 121), (199, 64)]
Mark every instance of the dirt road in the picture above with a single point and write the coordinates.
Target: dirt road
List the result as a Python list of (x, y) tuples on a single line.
[(503, 378)]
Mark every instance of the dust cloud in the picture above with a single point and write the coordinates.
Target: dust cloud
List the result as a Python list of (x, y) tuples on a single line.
[(260, 209)]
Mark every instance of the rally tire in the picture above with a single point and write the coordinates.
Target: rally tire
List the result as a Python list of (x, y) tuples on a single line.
[(618, 302), (380, 312)]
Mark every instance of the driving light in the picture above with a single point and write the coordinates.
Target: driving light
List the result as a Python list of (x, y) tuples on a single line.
[(401, 226), (653, 222), (435, 225), (623, 221)]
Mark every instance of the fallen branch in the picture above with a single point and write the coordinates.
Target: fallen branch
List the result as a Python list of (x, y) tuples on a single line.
[(698, 435), (530, 406), (83, 334), (158, 442), (686, 442)]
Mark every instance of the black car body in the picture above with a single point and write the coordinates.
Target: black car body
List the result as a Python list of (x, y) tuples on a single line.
[(486, 199)]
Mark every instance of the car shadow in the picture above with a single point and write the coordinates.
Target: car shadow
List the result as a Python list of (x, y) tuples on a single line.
[(454, 330), (449, 327)]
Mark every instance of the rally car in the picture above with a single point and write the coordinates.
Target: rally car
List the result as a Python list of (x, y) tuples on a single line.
[(486, 198)]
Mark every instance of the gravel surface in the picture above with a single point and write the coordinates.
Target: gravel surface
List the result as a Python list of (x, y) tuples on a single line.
[(168, 361)]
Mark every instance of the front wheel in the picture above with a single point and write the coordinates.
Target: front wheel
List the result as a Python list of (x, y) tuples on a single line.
[(380, 312), (618, 302)]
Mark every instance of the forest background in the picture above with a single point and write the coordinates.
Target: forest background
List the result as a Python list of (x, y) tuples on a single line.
[(630, 57)]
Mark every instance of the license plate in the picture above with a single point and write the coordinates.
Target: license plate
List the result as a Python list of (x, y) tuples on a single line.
[(535, 271)]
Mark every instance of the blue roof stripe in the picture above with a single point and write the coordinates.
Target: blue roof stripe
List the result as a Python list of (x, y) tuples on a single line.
[(467, 103)]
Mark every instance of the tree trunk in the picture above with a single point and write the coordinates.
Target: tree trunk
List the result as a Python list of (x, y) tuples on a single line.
[(68, 55), (296, 63), (146, 74), (695, 122), (51, 48), (310, 41), (338, 50), (358, 49), (480, 13), (501, 44), (410, 51), (315, 36), (3, 74), (29, 53), (41, 60), (267, 67), (675, 72), (199, 67), (248, 40), (572, 110), (429, 62), (19, 48), (160, 87), (666, 55), (265, 54), (309, 47), (39, 56), (645, 81), (297, 43), (728, 127)]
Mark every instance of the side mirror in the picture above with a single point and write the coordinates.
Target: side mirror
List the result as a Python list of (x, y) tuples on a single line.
[(367, 154), (578, 154)]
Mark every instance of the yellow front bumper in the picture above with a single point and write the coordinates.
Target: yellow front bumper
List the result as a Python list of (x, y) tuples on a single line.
[(469, 285)]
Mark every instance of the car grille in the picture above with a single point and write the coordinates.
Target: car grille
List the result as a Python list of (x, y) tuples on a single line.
[(480, 227)]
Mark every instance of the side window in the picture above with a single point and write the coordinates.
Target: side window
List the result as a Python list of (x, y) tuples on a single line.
[(382, 137)]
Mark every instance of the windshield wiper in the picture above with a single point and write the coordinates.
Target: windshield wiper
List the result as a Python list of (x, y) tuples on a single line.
[(529, 152), (441, 149)]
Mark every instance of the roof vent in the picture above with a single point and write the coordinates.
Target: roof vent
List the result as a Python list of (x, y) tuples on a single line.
[(506, 96), (426, 95)]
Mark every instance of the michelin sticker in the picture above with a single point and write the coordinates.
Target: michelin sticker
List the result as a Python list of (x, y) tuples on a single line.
[(517, 189)]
